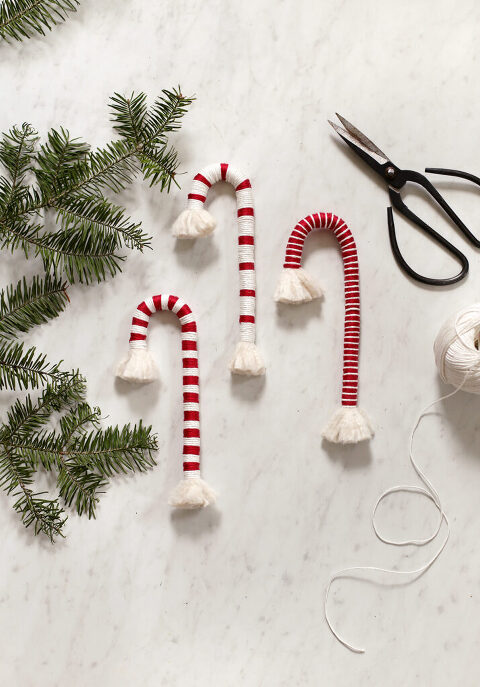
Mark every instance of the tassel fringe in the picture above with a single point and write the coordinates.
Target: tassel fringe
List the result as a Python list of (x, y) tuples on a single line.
[(247, 360), (348, 425), (138, 366), (296, 286), (192, 492), (193, 223)]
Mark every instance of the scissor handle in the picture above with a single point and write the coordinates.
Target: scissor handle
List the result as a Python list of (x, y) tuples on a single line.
[(453, 173), (398, 204), (421, 180)]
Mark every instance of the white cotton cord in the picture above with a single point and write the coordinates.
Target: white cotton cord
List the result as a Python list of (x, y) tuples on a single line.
[(430, 493)]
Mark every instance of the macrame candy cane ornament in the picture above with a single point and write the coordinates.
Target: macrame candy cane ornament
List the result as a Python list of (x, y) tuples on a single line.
[(196, 221), (349, 423), (138, 366)]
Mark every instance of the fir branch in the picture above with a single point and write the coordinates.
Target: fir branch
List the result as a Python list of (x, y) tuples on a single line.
[(115, 450), (129, 116), (26, 419), (21, 368), (16, 152), (78, 486), (21, 19), (88, 213), (16, 478), (25, 305), (58, 159), (81, 257), (72, 180)]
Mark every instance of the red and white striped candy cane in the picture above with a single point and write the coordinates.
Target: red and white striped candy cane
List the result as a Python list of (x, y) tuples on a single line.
[(192, 492), (349, 424), (196, 221)]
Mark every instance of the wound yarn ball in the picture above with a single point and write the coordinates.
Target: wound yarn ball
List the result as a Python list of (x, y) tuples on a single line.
[(456, 349)]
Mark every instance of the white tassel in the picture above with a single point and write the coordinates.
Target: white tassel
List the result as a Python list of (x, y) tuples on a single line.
[(192, 492), (138, 366), (192, 223), (296, 286), (247, 360), (348, 425)]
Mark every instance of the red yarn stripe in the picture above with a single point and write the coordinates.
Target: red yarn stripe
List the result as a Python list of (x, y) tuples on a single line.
[(244, 184), (204, 180), (351, 341)]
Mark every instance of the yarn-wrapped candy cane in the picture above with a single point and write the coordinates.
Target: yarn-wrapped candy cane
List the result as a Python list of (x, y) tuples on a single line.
[(139, 366), (349, 423), (196, 221)]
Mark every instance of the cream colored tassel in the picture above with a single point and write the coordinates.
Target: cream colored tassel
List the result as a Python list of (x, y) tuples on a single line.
[(247, 360), (138, 366), (192, 492), (193, 223), (296, 286), (348, 425)]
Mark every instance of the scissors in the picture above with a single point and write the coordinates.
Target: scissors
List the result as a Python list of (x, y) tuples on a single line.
[(396, 178)]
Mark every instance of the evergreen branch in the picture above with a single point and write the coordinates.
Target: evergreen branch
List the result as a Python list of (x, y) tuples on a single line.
[(58, 159), (16, 152), (78, 421), (159, 165), (129, 116), (45, 514), (72, 180), (166, 114), (79, 486), (81, 257), (25, 418), (86, 213), (21, 19), (20, 368), (115, 450), (25, 305)]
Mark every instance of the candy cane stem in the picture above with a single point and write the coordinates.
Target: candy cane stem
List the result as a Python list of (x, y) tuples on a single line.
[(192, 492), (348, 424), (195, 221)]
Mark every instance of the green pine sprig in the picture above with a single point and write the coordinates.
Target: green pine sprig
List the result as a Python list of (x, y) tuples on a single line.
[(71, 180), (21, 367), (21, 19), (79, 452), (28, 304)]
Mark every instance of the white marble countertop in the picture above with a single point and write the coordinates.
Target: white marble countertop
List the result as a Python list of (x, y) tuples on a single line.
[(233, 596)]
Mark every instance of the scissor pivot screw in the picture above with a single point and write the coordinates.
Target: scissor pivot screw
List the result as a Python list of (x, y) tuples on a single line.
[(390, 172)]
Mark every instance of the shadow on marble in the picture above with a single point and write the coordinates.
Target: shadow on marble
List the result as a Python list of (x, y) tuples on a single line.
[(196, 254), (246, 388), (140, 396), (191, 523), (352, 456), (296, 316)]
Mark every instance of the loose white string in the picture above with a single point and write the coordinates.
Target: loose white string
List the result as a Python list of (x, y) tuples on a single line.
[(431, 493)]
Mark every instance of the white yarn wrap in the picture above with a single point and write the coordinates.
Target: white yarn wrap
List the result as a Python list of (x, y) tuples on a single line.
[(196, 221), (456, 354)]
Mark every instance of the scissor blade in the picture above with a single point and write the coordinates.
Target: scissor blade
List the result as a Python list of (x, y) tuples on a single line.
[(373, 160), (361, 138)]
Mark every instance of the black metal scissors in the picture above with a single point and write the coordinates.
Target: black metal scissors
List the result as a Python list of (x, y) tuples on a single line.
[(396, 178)]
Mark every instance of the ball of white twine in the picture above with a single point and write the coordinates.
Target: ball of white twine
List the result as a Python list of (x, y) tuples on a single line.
[(456, 349)]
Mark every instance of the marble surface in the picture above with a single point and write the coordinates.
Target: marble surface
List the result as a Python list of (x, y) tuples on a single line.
[(234, 596)]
